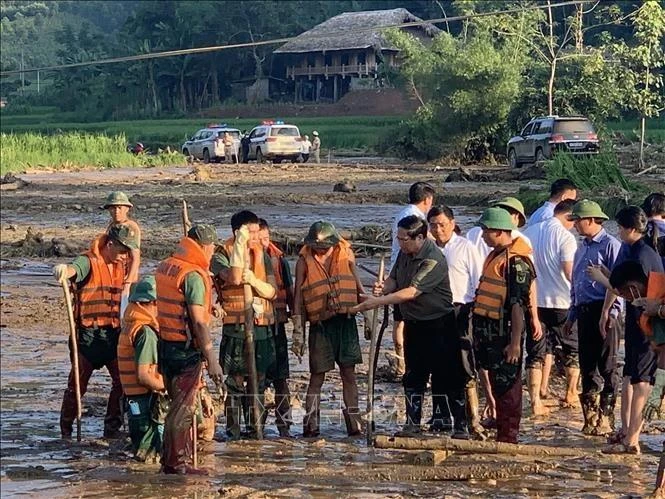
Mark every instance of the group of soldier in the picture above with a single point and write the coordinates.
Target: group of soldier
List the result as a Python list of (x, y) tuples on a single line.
[(468, 311)]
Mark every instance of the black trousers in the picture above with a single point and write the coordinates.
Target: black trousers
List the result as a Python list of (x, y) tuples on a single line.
[(432, 348), (462, 322), (598, 355)]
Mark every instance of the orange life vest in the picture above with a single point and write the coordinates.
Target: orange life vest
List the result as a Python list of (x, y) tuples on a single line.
[(98, 297), (232, 297), (279, 304), (655, 289), (172, 314), (329, 292), (136, 316), (493, 287)]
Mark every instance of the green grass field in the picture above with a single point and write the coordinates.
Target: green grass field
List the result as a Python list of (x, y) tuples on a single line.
[(655, 132), (339, 133)]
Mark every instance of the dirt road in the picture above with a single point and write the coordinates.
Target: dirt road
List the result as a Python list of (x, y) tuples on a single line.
[(35, 363)]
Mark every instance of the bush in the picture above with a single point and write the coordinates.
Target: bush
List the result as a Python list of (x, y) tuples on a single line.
[(590, 172)]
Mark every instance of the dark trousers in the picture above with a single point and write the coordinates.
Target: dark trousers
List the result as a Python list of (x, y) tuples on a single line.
[(113, 418), (598, 355), (552, 321), (432, 348), (462, 322)]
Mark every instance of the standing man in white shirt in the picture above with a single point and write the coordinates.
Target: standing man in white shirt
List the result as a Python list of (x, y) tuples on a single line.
[(305, 146), (464, 269), (421, 198), (560, 190), (554, 250)]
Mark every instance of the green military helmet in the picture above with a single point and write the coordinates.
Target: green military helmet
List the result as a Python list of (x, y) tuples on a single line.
[(203, 233), (496, 218), (124, 234), (586, 208), (513, 204), (322, 235), (117, 198), (144, 291)]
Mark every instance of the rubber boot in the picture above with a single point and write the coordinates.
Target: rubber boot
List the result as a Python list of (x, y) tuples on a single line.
[(252, 426), (353, 421), (605, 424), (473, 411), (414, 411), (509, 413), (442, 419), (458, 409), (233, 411), (283, 414), (310, 423), (590, 409)]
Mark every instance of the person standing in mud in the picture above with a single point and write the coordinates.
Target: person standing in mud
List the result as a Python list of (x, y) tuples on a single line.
[(654, 208), (118, 206), (232, 270), (597, 349), (245, 141), (500, 317), (184, 305), (97, 277), (421, 198), (142, 384), (279, 371), (316, 147), (464, 268), (419, 285), (327, 288), (554, 250)]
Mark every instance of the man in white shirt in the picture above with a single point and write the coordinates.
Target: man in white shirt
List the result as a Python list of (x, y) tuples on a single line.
[(554, 250), (305, 146), (421, 198), (464, 269), (560, 190)]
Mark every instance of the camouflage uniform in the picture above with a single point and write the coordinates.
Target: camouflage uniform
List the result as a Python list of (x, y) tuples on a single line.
[(491, 337)]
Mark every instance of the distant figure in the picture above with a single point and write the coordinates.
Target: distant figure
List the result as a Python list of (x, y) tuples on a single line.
[(305, 147), (138, 148), (244, 144), (316, 147), (227, 140)]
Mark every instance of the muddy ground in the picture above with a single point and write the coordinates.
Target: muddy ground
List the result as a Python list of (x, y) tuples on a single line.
[(61, 211)]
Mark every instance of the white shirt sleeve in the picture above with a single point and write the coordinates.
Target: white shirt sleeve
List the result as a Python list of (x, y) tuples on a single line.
[(568, 247), (475, 263)]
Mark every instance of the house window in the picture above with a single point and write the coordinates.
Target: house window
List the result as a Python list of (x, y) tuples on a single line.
[(362, 58), (311, 59), (328, 60), (345, 59)]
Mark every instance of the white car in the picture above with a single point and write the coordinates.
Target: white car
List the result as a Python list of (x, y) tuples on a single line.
[(275, 141), (206, 144)]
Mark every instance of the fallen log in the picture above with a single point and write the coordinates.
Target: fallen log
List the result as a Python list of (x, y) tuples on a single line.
[(451, 473), (449, 444)]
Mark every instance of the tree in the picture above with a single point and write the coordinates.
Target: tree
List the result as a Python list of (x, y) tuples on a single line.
[(641, 63)]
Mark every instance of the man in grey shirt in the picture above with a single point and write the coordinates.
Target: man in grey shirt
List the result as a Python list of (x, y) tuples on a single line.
[(419, 285)]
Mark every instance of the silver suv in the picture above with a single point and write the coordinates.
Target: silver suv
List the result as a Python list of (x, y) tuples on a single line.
[(543, 137), (206, 144), (275, 141)]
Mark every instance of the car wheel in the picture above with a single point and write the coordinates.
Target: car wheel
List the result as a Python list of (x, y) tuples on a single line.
[(259, 156), (185, 152), (206, 156), (512, 159), (540, 157)]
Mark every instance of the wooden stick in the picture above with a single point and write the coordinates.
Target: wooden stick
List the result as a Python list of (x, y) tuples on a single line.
[(195, 437), (75, 354), (186, 224), (449, 444), (250, 356), (373, 346)]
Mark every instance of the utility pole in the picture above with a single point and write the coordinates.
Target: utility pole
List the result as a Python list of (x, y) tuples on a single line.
[(37, 81), (22, 75)]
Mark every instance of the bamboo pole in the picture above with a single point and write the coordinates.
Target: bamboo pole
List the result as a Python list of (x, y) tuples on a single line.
[(373, 346), (75, 354), (449, 444), (250, 356)]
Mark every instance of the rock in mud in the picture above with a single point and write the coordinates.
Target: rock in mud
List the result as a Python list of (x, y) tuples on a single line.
[(344, 187), (11, 182)]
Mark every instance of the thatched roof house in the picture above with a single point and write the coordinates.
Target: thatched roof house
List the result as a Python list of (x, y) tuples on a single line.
[(354, 31), (346, 48)]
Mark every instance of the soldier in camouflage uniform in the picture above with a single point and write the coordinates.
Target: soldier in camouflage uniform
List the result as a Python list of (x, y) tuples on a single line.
[(501, 317)]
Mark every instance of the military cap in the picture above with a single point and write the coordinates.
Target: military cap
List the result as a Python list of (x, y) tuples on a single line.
[(496, 218), (117, 198), (203, 233), (144, 291), (514, 204), (586, 208), (322, 235), (124, 234)]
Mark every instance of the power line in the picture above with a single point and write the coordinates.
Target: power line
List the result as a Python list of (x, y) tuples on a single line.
[(327, 34)]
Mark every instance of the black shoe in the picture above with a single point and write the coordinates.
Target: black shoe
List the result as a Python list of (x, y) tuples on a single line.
[(440, 426)]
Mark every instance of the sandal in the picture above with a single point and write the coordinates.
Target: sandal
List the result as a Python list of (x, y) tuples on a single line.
[(622, 448)]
